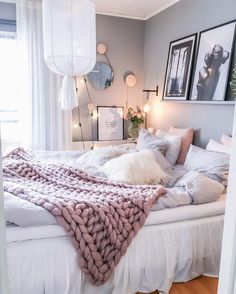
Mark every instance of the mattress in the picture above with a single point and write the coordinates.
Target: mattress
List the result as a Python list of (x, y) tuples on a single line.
[(166, 216)]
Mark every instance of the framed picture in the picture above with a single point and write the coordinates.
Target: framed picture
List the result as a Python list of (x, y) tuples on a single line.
[(213, 63), (179, 68), (110, 123)]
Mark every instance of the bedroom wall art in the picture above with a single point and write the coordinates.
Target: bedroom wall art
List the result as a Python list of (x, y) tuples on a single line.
[(233, 81), (213, 63), (110, 123), (179, 68)]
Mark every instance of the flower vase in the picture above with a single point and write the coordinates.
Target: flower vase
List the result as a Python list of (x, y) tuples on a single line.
[(133, 130)]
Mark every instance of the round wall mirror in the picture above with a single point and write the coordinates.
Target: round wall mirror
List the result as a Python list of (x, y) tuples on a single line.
[(101, 77)]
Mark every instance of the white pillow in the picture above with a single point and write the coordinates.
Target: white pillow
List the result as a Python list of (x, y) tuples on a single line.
[(135, 168), (202, 189), (201, 158), (149, 141), (174, 147), (215, 165), (217, 147), (226, 140)]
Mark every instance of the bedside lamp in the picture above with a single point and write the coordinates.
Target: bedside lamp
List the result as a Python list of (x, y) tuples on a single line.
[(147, 107)]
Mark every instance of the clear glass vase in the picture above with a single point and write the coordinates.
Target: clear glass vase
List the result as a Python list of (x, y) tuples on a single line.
[(133, 130)]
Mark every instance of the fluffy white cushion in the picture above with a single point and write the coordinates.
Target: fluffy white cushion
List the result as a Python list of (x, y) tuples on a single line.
[(160, 159), (135, 168), (217, 147), (174, 145), (226, 140)]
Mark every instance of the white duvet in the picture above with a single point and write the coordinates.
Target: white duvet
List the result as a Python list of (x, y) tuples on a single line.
[(186, 242), (193, 188), (185, 187)]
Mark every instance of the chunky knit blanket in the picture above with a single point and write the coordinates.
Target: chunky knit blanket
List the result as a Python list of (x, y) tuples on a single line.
[(101, 217)]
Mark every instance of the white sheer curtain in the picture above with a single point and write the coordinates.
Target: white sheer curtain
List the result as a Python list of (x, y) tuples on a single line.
[(43, 125), (4, 286)]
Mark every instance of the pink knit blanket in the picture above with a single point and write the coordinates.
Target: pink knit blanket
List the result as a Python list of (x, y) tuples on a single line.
[(101, 217)]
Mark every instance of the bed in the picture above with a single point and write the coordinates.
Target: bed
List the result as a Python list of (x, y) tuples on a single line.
[(175, 245), (176, 241)]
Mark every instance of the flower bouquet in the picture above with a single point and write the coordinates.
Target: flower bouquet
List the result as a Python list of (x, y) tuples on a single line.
[(137, 119)]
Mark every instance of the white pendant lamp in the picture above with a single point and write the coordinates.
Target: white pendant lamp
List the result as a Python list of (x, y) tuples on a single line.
[(69, 29)]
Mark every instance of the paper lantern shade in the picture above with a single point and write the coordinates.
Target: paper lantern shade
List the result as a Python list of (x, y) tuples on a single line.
[(69, 29)]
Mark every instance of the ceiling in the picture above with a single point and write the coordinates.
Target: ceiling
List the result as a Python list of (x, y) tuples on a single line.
[(137, 9)]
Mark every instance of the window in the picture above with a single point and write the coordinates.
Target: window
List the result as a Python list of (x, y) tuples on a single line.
[(8, 90)]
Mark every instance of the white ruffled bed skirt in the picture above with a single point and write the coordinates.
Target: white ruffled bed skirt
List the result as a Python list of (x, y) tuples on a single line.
[(158, 256)]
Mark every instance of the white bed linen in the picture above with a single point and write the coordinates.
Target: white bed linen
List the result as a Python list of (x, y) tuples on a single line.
[(189, 212), (159, 255)]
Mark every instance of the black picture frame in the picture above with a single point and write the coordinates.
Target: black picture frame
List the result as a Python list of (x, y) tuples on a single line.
[(110, 123), (181, 51), (214, 89)]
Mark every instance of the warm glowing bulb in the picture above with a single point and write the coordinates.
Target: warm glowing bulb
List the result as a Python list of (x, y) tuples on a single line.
[(75, 126), (146, 108), (81, 81), (90, 107), (95, 115)]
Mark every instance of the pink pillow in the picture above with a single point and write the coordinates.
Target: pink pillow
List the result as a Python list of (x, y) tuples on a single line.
[(187, 140), (226, 140)]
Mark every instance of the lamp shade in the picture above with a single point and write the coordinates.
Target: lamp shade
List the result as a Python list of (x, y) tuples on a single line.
[(69, 31)]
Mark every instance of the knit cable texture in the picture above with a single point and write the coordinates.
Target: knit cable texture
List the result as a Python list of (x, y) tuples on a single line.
[(101, 217)]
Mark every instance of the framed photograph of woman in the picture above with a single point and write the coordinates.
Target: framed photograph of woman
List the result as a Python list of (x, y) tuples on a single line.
[(179, 68), (110, 123), (213, 63)]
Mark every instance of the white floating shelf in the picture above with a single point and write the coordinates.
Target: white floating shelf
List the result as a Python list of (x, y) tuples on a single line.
[(200, 102)]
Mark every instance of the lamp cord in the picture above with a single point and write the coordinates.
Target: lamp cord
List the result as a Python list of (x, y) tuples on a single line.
[(91, 115), (79, 119)]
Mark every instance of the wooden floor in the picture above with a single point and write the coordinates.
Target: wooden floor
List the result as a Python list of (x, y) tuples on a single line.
[(202, 285)]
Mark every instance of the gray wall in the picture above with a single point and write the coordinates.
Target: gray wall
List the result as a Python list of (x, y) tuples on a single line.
[(125, 42), (184, 18)]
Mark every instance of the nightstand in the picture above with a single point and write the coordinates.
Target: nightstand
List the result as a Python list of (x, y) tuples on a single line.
[(98, 144)]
